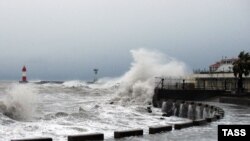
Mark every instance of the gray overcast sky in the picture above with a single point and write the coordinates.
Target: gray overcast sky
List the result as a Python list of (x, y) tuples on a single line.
[(66, 39)]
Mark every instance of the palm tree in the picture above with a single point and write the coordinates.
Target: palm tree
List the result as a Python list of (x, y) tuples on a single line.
[(241, 67)]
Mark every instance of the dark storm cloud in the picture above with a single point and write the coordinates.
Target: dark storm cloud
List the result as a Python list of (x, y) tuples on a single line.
[(65, 39)]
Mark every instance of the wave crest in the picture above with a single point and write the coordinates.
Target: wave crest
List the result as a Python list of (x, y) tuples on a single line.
[(20, 102), (137, 85)]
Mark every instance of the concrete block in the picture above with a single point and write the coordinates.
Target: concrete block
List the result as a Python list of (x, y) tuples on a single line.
[(183, 125), (199, 122), (128, 133), (221, 113), (159, 129), (33, 139), (86, 137), (217, 116), (211, 119)]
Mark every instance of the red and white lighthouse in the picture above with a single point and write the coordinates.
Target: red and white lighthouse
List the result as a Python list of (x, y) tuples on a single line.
[(24, 78)]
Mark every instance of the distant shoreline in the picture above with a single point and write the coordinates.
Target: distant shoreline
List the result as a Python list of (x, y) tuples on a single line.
[(51, 82)]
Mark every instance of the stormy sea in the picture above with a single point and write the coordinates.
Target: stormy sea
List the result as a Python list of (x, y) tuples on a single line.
[(75, 107)]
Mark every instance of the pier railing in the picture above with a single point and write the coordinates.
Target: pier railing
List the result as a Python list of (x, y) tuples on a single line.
[(229, 85)]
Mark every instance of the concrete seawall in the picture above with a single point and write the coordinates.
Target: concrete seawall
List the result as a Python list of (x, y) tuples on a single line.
[(199, 113), (165, 94)]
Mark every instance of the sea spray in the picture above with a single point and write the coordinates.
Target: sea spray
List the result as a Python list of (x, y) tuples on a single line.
[(102, 83), (74, 83), (137, 85), (20, 101)]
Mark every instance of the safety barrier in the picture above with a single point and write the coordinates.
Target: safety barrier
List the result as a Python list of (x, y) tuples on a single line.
[(128, 133), (86, 137), (33, 139), (159, 129), (183, 125)]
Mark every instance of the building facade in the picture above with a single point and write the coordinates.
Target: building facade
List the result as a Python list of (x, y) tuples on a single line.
[(220, 77), (219, 81)]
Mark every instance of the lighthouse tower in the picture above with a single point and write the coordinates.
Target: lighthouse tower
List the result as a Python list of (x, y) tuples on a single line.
[(24, 78)]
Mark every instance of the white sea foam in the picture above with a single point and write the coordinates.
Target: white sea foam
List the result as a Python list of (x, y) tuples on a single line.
[(137, 84), (74, 83), (102, 83), (20, 101), (106, 83)]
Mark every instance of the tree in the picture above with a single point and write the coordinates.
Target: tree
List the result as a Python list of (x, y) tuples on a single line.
[(241, 67)]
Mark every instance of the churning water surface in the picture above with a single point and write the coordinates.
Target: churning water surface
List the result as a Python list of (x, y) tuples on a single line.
[(58, 110), (74, 107)]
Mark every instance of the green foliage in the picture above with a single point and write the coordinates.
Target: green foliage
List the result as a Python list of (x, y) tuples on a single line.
[(242, 65)]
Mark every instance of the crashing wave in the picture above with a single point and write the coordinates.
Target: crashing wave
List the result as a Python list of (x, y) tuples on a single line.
[(137, 84), (20, 102)]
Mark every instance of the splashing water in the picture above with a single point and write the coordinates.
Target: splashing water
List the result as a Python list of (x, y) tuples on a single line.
[(74, 83), (137, 84), (20, 102)]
